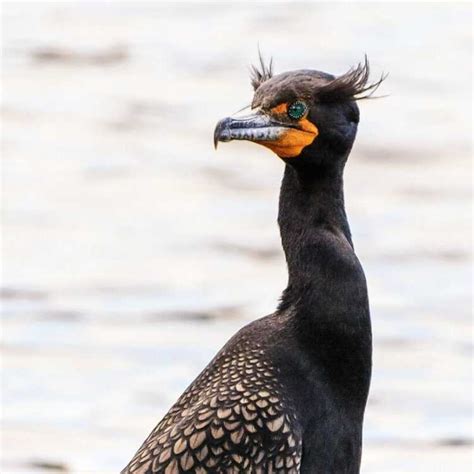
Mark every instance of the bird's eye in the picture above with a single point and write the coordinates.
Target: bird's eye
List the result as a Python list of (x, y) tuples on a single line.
[(297, 109)]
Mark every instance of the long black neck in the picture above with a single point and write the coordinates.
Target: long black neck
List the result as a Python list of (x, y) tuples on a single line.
[(326, 308), (326, 290), (326, 293), (316, 238), (310, 206)]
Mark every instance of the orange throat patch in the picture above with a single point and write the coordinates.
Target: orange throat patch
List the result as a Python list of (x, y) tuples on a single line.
[(292, 142)]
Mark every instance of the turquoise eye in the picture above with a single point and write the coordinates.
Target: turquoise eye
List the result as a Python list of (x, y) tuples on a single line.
[(297, 109)]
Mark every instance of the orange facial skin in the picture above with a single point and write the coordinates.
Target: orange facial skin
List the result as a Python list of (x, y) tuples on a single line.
[(292, 142)]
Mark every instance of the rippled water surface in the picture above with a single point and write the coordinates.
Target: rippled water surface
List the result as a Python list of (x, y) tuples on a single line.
[(132, 250)]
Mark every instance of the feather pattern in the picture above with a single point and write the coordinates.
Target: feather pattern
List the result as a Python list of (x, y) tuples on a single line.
[(233, 418)]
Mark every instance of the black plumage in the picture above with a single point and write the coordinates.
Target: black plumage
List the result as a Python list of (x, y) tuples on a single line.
[(288, 392)]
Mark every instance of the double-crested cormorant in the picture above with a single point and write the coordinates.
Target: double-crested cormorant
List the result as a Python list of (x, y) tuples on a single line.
[(288, 392)]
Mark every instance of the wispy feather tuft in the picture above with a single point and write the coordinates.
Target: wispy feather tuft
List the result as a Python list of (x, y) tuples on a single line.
[(261, 73), (353, 85)]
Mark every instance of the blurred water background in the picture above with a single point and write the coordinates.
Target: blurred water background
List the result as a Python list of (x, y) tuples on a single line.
[(132, 250)]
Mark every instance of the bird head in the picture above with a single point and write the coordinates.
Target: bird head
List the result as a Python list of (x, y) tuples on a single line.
[(304, 116)]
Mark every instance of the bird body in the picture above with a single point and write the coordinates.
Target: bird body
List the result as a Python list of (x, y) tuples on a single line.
[(287, 393)]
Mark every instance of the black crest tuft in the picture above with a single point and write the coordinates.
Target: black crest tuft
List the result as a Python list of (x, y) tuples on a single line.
[(261, 73), (353, 85)]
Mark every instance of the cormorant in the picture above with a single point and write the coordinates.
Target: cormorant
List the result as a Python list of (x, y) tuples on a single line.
[(287, 393)]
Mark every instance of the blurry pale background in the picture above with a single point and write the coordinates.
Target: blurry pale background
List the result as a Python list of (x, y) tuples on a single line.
[(132, 250)]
